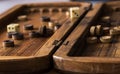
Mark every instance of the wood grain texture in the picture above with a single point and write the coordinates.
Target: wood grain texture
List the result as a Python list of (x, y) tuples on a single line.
[(79, 57), (35, 54)]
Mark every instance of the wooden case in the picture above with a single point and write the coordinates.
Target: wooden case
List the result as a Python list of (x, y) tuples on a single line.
[(75, 55), (35, 54)]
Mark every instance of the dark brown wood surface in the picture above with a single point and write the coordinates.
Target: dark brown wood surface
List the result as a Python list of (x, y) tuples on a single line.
[(35, 54)]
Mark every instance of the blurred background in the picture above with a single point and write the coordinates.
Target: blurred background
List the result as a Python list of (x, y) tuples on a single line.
[(6, 4)]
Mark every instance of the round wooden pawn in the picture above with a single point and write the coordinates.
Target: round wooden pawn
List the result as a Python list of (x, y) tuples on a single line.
[(99, 30), (28, 27), (34, 34), (22, 17), (9, 34), (17, 36), (43, 30), (51, 25), (8, 43), (106, 39), (92, 30), (106, 30), (57, 26)]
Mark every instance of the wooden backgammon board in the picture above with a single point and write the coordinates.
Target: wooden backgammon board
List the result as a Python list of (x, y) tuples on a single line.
[(93, 46), (31, 33)]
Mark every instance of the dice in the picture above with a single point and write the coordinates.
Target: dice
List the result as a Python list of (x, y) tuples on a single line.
[(13, 28), (74, 12)]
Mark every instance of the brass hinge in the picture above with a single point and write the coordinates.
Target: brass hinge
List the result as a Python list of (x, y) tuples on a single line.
[(66, 43), (57, 42)]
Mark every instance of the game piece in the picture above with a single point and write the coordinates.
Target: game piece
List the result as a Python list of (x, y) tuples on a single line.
[(9, 34), (106, 39), (115, 31), (57, 26), (92, 30), (106, 30), (51, 25), (74, 12), (42, 30), (17, 36), (8, 43), (34, 34), (106, 19), (99, 30), (49, 32), (13, 27), (45, 20), (22, 17), (67, 13), (28, 27)]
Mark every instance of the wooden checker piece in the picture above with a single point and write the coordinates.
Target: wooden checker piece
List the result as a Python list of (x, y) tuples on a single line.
[(8, 43), (34, 34), (92, 30), (17, 36), (43, 30), (28, 27), (22, 18), (106, 39), (34, 53)]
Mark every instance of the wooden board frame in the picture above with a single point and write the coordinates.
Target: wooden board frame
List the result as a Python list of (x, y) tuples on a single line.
[(84, 64), (42, 60)]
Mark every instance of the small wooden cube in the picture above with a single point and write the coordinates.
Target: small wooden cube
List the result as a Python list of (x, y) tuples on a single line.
[(74, 12), (13, 28)]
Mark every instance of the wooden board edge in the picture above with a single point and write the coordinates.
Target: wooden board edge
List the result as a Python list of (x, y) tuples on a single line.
[(66, 64), (23, 64), (58, 4), (11, 10)]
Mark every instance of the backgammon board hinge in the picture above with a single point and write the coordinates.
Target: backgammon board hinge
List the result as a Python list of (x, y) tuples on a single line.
[(57, 42), (66, 43)]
